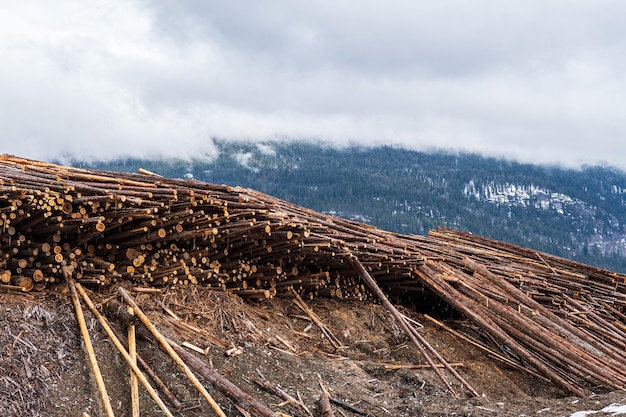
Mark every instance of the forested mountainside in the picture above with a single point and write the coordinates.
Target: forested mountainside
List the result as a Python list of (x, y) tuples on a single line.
[(579, 214)]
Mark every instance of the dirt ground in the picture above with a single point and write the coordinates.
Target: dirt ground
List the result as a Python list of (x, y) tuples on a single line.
[(44, 370)]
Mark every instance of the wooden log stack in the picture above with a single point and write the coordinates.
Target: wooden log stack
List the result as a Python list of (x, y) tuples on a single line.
[(110, 226), (560, 320)]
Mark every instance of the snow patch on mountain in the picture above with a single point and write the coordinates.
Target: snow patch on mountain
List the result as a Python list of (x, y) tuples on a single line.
[(509, 194)]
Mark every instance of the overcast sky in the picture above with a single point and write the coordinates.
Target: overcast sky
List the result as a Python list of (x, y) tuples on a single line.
[(535, 80)]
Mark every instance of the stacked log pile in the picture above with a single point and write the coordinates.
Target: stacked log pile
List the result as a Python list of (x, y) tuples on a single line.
[(557, 319), (109, 226)]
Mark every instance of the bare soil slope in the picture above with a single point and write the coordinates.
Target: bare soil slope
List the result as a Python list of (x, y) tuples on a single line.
[(45, 372)]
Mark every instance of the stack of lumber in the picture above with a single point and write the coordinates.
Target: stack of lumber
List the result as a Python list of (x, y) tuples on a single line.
[(110, 226), (557, 319)]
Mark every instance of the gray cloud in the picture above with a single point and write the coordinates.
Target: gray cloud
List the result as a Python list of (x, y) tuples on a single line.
[(536, 81)]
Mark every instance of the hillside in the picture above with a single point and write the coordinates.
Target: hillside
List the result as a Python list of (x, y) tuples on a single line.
[(578, 214)]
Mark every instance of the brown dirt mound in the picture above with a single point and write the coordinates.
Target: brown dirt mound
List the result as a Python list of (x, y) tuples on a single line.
[(45, 371)]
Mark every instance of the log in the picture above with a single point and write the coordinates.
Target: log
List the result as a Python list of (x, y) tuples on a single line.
[(115, 310), (417, 340), (449, 294), (95, 368), (221, 383), (169, 349), (129, 360), (134, 382), (245, 400)]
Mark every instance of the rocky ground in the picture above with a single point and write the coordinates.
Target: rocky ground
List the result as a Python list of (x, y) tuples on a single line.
[(44, 369)]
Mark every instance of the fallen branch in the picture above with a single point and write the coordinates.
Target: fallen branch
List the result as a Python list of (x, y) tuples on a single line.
[(442, 360), (273, 389), (438, 365), (349, 407), (327, 410), (318, 322), (225, 386)]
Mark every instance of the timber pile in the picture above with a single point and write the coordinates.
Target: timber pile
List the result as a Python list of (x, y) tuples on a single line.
[(556, 319), (110, 226), (563, 319)]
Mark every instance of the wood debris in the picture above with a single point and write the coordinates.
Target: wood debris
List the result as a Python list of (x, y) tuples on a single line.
[(132, 362), (170, 351)]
